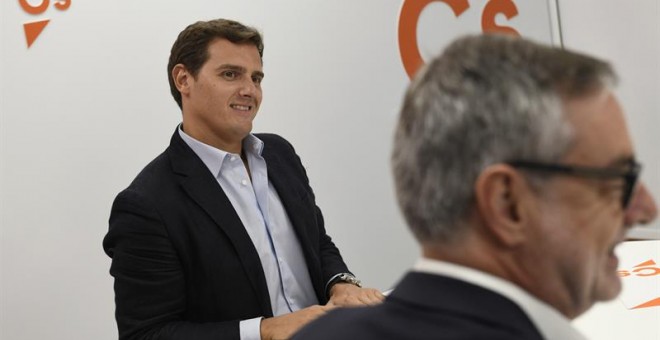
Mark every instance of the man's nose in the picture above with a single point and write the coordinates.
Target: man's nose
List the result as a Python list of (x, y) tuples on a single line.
[(248, 88), (642, 208)]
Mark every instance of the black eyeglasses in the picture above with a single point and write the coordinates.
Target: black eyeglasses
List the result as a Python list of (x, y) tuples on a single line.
[(630, 174)]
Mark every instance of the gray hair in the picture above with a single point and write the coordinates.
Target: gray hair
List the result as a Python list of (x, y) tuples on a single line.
[(487, 99)]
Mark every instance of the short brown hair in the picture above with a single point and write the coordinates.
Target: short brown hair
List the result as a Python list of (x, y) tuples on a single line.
[(191, 46)]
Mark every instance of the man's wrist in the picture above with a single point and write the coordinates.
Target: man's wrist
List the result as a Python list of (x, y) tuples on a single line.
[(341, 278)]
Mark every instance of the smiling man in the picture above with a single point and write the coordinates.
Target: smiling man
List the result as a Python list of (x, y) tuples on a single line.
[(219, 237), (515, 172)]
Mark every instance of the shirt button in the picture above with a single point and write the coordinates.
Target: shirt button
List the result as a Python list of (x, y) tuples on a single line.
[(244, 182)]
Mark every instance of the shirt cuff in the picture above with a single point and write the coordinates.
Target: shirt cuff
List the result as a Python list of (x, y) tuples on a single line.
[(250, 329)]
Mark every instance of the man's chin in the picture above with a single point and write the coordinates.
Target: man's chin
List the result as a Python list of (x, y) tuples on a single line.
[(608, 288)]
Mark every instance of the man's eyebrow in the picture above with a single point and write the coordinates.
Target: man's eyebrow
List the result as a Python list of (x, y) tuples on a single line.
[(622, 160), (231, 67)]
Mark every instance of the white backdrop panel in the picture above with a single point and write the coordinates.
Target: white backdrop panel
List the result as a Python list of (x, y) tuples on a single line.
[(88, 105)]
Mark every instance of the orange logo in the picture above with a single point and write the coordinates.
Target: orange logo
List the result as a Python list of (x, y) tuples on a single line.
[(34, 28), (645, 269), (412, 9)]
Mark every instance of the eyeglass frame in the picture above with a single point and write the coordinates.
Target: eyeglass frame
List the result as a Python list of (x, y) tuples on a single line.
[(629, 175)]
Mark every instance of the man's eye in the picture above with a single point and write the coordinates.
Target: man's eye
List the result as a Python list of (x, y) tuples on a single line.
[(229, 74), (257, 80)]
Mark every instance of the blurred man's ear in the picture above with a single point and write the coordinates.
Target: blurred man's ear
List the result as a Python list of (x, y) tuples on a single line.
[(501, 193)]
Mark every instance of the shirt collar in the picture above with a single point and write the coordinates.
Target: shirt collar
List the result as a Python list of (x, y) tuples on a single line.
[(551, 323), (253, 145), (213, 157)]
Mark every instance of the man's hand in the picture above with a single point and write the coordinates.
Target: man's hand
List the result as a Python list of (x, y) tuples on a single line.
[(349, 295), (283, 326), (341, 295)]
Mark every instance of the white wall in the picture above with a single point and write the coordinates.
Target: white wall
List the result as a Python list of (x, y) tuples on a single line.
[(88, 105)]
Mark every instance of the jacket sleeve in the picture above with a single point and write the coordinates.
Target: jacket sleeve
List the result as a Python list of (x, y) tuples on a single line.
[(150, 289)]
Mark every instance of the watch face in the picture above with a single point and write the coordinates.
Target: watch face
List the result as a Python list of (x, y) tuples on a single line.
[(349, 279)]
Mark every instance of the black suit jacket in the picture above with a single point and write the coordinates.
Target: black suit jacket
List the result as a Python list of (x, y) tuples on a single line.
[(426, 306), (184, 265)]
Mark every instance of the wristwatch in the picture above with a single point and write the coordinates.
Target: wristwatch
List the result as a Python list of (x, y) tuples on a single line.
[(342, 278)]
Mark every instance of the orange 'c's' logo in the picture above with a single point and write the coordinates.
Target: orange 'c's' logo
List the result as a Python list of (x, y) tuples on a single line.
[(34, 28), (412, 9), (645, 269)]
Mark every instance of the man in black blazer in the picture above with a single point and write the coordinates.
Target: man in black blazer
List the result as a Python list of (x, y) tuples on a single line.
[(515, 172), (219, 237)]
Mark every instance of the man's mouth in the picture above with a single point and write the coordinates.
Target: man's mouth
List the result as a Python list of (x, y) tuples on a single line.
[(241, 107), (612, 251), (613, 259)]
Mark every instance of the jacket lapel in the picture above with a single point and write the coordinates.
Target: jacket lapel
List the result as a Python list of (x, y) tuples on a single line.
[(301, 211), (198, 182)]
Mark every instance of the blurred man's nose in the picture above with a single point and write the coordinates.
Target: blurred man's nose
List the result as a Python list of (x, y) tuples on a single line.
[(642, 208)]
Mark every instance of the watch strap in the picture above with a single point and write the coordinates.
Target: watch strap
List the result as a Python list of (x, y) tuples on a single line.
[(341, 278)]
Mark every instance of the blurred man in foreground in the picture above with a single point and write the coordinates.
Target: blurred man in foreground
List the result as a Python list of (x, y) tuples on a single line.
[(515, 172)]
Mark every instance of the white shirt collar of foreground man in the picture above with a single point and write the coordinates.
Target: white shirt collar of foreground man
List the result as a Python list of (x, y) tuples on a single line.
[(551, 323)]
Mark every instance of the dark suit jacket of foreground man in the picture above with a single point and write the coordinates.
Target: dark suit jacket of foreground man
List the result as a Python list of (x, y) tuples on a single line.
[(180, 251), (425, 306)]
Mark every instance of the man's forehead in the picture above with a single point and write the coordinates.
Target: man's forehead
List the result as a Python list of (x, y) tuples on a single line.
[(599, 129), (221, 49)]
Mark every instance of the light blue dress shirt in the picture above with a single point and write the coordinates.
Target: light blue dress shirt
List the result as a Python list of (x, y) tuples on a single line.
[(260, 209)]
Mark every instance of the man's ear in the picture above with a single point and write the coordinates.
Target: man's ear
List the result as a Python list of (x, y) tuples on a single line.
[(501, 193), (181, 78)]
